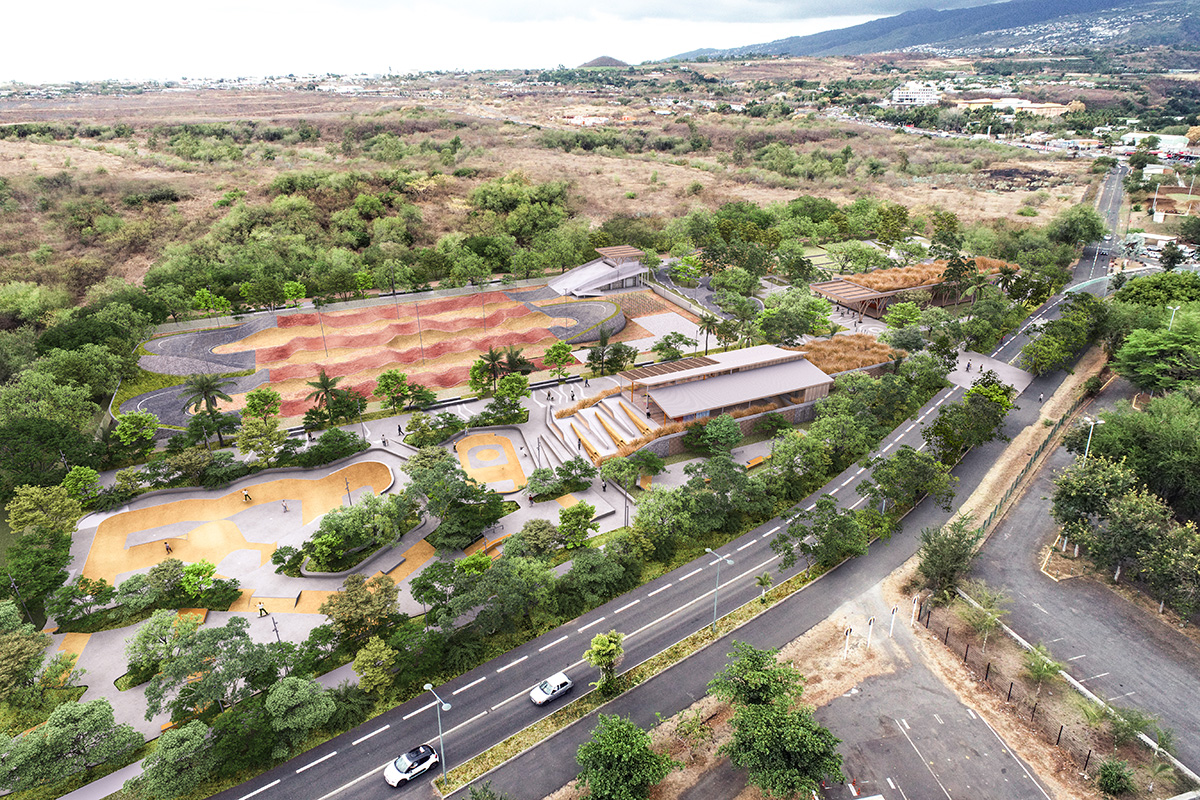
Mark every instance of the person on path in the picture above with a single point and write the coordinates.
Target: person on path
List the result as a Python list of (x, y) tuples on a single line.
[(384, 437), (284, 503), (309, 434), (168, 546), (604, 486), (585, 382), (399, 429), (968, 365), (1041, 396), (262, 610), (245, 496), (572, 397)]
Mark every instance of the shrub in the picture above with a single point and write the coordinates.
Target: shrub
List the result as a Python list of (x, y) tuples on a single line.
[(1114, 778)]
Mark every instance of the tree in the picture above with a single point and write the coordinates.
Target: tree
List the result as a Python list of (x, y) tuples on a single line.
[(619, 356), (78, 599), (22, 649), (159, 639), (324, 388), (755, 677), (708, 325), (786, 752), (493, 364), (392, 386), (837, 535), (1171, 257), (76, 736), (181, 762), (900, 315), (946, 553), (37, 395), (541, 536), (1077, 225), (722, 434), (373, 665), (790, 315), (362, 606), (576, 524), (1084, 490), (618, 763), (297, 707), (558, 357), (906, 476), (605, 654), (1161, 360), (48, 508), (262, 402), (136, 430), (671, 346), (1040, 667), (515, 363), (1136, 520), (205, 390), (214, 666), (261, 438), (83, 484), (985, 614)]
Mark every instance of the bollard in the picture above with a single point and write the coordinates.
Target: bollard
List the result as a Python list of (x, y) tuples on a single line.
[(946, 641), (1059, 739), (967, 652), (1031, 713), (1009, 698), (987, 672), (1087, 761)]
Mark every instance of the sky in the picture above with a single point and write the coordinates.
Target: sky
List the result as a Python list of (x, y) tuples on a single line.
[(155, 40)]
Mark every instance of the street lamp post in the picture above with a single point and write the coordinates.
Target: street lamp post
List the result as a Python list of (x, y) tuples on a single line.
[(442, 705), (1092, 423), (728, 561), (1173, 310)]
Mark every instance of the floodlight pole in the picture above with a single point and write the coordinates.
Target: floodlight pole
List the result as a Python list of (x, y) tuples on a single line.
[(442, 705)]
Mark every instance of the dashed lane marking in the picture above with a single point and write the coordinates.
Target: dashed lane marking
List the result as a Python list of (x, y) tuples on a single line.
[(412, 714), (590, 624), (469, 685), (261, 790), (312, 764), (512, 664), (747, 544), (369, 735), (627, 605), (690, 574), (559, 640), (659, 589)]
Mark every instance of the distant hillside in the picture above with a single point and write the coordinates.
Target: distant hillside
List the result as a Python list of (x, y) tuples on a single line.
[(926, 28), (604, 61)]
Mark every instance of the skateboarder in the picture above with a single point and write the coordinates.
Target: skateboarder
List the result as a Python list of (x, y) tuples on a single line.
[(262, 611), (245, 496)]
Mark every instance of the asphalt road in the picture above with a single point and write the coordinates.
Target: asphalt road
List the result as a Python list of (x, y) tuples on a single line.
[(490, 703), (1117, 650)]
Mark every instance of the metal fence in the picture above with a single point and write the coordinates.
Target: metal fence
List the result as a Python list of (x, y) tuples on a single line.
[(1022, 697), (999, 508)]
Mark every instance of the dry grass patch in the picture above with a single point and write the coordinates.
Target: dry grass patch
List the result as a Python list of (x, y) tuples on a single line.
[(843, 353), (890, 280)]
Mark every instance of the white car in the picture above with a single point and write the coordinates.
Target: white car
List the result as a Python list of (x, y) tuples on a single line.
[(556, 685), (415, 762)]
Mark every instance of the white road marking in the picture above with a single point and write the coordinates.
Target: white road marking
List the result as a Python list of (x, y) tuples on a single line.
[(467, 722), (627, 605), (747, 544), (1075, 658), (469, 685), (659, 589), (318, 761), (777, 527), (810, 508), (904, 722), (590, 624), (1005, 749), (925, 762), (861, 500), (409, 716), (939, 719), (910, 427), (257, 791), (512, 664), (559, 640), (1101, 675), (861, 470), (884, 450), (369, 735), (972, 713), (890, 784), (690, 574)]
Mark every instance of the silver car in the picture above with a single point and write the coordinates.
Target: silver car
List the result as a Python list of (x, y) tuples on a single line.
[(415, 762), (556, 685)]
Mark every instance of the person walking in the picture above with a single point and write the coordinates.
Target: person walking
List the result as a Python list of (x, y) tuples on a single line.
[(245, 496), (1041, 397), (399, 429), (284, 503), (968, 365), (585, 382), (384, 437), (168, 546), (262, 610)]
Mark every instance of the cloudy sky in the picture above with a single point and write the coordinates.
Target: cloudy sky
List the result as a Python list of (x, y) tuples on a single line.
[(141, 39)]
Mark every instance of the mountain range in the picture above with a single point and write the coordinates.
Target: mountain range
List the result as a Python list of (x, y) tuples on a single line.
[(1017, 24)]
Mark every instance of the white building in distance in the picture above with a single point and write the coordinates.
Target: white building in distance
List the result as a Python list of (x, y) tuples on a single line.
[(915, 93)]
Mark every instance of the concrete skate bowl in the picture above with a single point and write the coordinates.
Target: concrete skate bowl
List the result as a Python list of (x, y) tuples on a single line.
[(433, 342), (491, 459), (209, 527)]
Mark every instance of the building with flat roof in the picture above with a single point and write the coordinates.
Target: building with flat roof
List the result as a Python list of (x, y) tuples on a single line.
[(617, 268), (915, 93), (702, 386)]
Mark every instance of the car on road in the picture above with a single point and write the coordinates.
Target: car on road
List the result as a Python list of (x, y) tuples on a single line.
[(415, 762), (556, 685)]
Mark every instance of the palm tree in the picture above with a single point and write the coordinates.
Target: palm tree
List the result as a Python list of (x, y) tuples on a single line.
[(764, 582), (1007, 276), (516, 363), (708, 324), (206, 390), (494, 363), (324, 388)]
